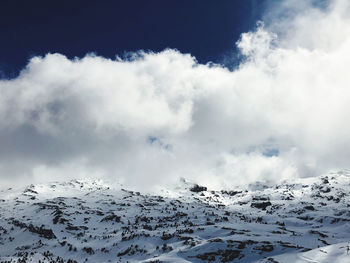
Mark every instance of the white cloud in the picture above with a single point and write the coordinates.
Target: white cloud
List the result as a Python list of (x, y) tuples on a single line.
[(159, 116)]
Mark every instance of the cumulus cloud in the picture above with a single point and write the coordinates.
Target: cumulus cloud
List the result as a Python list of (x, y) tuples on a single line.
[(151, 118)]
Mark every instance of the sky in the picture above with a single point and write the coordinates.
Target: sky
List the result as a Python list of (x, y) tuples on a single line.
[(219, 94), (205, 29)]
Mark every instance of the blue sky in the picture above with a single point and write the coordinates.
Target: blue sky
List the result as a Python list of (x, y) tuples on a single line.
[(206, 29)]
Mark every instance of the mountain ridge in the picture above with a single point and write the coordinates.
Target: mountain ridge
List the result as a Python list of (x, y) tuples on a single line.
[(90, 221)]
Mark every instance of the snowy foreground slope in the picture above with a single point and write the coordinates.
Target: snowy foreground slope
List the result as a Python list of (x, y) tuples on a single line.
[(302, 221)]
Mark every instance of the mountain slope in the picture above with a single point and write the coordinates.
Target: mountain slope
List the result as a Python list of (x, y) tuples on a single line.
[(89, 221)]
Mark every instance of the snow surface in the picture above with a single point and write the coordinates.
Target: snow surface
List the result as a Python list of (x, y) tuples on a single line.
[(306, 220), (338, 253)]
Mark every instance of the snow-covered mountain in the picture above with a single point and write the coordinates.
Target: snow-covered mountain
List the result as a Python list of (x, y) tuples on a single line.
[(306, 220)]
